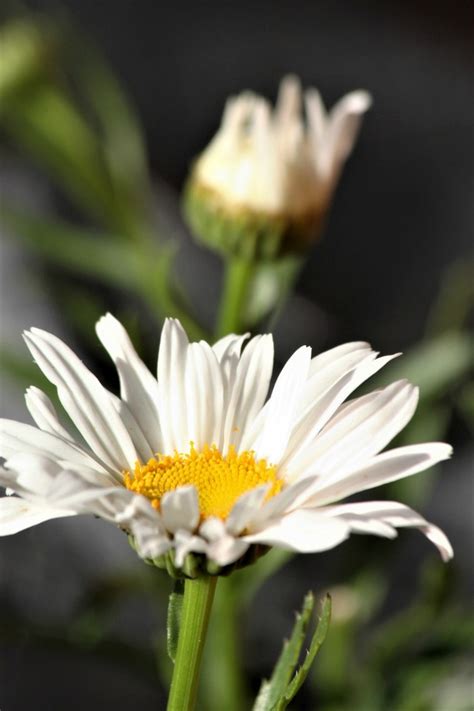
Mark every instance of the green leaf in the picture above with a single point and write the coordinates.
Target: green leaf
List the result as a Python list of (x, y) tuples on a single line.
[(270, 286), (122, 133), (47, 125), (434, 365), (173, 622), (316, 643), (285, 682), (466, 404), (455, 299), (95, 254)]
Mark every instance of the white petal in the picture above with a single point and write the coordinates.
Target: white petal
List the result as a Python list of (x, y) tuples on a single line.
[(204, 397), (229, 347), (17, 437), (32, 473), (226, 550), (282, 407), (362, 516), (249, 389), (283, 502), (317, 121), (390, 466), (337, 358), (303, 531), (180, 509), (140, 441), (146, 526), (84, 399), (212, 528), (322, 406), (344, 122), (172, 362), (42, 411), (359, 432), (245, 510), (185, 543), (18, 514), (138, 387)]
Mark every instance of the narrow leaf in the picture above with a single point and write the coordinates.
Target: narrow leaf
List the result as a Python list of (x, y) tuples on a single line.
[(318, 639), (435, 365), (94, 254), (173, 622), (273, 691), (47, 124)]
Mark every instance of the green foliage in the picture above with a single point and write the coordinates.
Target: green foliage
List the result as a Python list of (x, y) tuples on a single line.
[(435, 364), (286, 680)]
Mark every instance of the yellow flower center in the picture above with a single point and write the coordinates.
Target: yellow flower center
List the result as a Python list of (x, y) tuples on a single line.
[(219, 480)]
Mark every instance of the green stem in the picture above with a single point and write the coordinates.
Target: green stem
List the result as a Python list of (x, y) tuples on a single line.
[(237, 279), (223, 679), (197, 603)]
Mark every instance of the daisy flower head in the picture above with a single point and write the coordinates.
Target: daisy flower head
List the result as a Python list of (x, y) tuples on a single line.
[(200, 465), (264, 183)]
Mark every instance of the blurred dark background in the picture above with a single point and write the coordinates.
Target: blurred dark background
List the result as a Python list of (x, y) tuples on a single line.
[(401, 217)]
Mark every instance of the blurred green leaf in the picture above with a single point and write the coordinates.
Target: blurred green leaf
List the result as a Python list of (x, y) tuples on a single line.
[(434, 365), (173, 622), (88, 252), (47, 125), (455, 300), (121, 131), (270, 286), (466, 404), (25, 49), (284, 684)]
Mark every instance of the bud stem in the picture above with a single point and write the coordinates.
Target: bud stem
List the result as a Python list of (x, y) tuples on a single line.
[(197, 603), (237, 279)]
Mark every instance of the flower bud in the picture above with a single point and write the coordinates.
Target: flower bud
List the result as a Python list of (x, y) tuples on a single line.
[(263, 185)]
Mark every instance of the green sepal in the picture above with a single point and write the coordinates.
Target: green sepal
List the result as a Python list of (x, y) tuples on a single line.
[(286, 680), (173, 619), (245, 233), (196, 565)]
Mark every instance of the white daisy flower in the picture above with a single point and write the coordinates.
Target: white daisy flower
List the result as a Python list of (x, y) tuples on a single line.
[(272, 171), (199, 461)]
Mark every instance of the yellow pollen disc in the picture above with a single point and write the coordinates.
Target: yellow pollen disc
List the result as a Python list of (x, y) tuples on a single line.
[(219, 480)]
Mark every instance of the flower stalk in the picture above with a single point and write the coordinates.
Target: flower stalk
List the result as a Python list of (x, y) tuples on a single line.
[(237, 279), (197, 603)]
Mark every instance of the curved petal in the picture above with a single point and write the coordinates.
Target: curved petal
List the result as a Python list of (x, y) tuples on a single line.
[(249, 389), (363, 517), (172, 362), (282, 407), (303, 531), (18, 514), (85, 400), (204, 398), (17, 437), (245, 510), (44, 414), (357, 433), (138, 387), (180, 509), (384, 468), (322, 406), (33, 473), (344, 122)]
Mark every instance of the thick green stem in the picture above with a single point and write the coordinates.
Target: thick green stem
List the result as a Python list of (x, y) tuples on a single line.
[(197, 603), (237, 279), (223, 679)]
